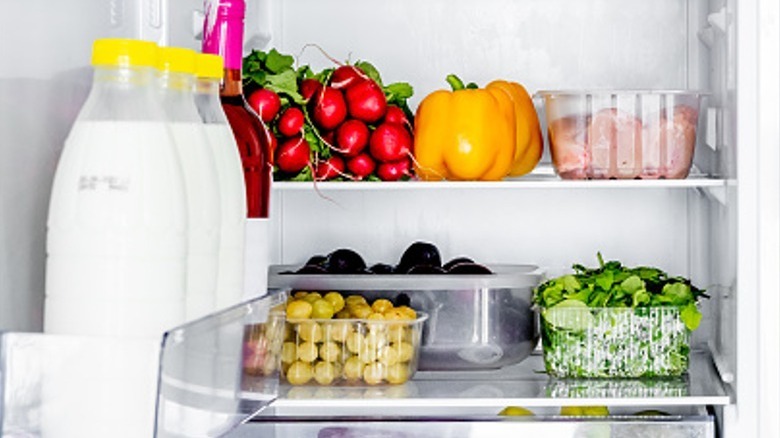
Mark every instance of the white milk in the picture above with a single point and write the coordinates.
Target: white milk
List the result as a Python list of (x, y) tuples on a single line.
[(117, 223), (230, 173), (115, 271), (203, 207)]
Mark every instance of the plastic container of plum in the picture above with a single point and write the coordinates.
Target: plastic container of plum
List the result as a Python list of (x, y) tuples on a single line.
[(631, 134), (351, 351)]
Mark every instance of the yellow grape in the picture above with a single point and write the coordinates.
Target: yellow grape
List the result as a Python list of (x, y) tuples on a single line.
[(354, 299), (336, 300), (373, 373), (354, 341), (322, 309), (324, 373), (405, 351), (298, 295), (353, 368), (299, 310), (307, 352), (395, 314), (408, 311), (367, 354), (398, 373), (396, 333), (311, 297), (289, 352), (361, 311), (374, 316), (310, 331), (337, 331), (381, 305), (299, 373), (388, 355), (330, 351)]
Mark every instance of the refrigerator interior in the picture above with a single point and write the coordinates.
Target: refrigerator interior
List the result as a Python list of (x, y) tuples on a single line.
[(688, 227)]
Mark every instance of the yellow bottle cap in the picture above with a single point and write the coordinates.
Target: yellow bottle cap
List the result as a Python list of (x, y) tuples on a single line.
[(176, 60), (124, 52), (210, 66)]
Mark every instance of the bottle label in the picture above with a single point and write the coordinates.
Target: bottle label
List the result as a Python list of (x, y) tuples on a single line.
[(223, 30)]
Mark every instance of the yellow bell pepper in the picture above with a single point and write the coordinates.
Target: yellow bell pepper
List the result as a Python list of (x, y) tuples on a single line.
[(476, 134)]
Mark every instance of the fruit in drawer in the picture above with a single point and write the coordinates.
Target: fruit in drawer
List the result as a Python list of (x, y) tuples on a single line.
[(585, 411), (515, 411)]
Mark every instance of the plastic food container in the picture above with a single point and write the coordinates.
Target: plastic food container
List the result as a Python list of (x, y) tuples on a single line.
[(476, 322), (614, 342), (351, 351), (622, 134)]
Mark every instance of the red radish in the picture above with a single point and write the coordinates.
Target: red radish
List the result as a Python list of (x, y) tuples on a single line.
[(395, 114), (329, 169), (394, 170), (329, 137), (352, 137), (290, 122), (266, 103), (309, 87), (361, 165), (390, 142), (330, 109), (366, 101), (346, 75), (293, 155)]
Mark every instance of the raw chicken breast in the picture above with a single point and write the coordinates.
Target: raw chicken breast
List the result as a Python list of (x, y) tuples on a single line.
[(568, 146), (669, 143), (615, 140)]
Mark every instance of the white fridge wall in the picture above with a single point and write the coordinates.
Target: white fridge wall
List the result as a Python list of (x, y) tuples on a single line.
[(44, 79)]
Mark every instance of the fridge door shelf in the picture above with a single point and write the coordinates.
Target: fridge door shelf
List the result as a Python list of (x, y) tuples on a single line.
[(188, 383)]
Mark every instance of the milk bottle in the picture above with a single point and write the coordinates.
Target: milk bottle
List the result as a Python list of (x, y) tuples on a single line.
[(116, 249), (230, 176), (201, 184)]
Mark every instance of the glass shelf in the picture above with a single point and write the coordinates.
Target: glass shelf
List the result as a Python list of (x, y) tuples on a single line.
[(543, 177), (524, 384)]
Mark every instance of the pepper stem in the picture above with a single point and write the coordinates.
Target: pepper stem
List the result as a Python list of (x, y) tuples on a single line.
[(455, 82)]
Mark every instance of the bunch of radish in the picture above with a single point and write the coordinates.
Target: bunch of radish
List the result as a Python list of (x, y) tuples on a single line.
[(338, 124)]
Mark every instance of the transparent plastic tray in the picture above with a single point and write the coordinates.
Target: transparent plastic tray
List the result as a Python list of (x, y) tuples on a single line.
[(351, 351), (192, 382), (622, 134), (614, 342), (476, 322)]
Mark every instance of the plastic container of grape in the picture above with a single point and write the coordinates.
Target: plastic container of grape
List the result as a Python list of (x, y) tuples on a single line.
[(641, 342), (622, 134), (351, 351), (476, 321)]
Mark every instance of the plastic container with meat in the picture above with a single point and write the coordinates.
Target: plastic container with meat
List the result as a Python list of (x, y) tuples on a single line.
[(622, 134)]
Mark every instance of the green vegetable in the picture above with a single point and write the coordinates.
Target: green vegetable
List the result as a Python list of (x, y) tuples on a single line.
[(616, 321), (614, 285)]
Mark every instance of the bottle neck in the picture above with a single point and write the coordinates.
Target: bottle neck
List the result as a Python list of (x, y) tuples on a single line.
[(231, 84), (176, 90), (207, 101), (123, 93), (223, 34)]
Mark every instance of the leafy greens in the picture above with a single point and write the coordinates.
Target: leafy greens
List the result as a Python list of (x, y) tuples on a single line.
[(616, 286)]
